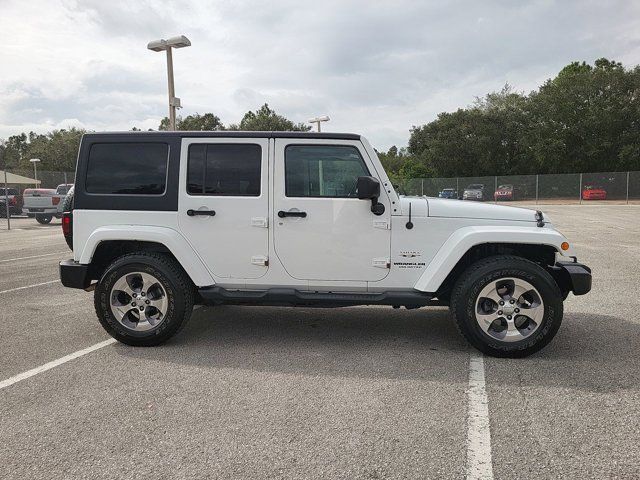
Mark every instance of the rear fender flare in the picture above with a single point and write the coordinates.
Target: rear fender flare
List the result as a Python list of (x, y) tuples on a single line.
[(171, 239)]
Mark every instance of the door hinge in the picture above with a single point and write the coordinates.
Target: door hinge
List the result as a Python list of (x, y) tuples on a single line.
[(261, 260), (383, 262), (259, 222), (381, 224)]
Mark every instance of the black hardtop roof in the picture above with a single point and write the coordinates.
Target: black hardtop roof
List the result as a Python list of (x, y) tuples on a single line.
[(229, 134)]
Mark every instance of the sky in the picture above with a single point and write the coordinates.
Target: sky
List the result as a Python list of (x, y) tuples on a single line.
[(375, 67)]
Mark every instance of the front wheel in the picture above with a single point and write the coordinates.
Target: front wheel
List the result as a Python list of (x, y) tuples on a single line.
[(506, 306), (44, 219), (144, 299)]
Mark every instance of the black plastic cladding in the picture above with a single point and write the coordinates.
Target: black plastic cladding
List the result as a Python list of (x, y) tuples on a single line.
[(168, 202)]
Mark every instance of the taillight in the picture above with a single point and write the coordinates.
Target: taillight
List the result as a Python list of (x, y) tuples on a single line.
[(12, 201), (67, 224), (55, 200)]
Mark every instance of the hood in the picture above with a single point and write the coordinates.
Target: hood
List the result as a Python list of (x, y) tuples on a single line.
[(460, 209)]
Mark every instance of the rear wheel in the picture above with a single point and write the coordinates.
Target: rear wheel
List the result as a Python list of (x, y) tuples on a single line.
[(44, 219), (507, 306), (144, 299)]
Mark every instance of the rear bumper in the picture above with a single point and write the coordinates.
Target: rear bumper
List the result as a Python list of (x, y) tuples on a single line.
[(74, 274), (572, 277), (41, 210)]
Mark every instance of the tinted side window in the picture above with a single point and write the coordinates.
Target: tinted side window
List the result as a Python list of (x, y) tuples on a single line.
[(232, 169), (127, 168), (322, 170)]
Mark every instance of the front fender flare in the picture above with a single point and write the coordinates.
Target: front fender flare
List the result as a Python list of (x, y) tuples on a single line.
[(465, 238), (173, 240)]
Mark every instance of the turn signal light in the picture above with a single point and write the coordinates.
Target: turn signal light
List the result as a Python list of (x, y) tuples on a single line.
[(564, 246)]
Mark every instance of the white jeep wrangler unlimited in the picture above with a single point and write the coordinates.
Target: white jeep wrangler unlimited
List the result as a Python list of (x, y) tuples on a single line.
[(166, 220)]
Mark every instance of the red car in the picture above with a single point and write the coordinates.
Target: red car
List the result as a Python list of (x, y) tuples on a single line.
[(593, 192), (504, 192)]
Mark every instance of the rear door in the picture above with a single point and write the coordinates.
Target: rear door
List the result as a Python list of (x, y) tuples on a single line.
[(223, 204)]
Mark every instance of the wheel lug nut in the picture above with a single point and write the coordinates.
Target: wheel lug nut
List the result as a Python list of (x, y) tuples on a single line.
[(147, 302), (508, 317), (141, 309), (501, 302), (499, 312), (142, 294), (133, 304), (512, 301), (517, 310)]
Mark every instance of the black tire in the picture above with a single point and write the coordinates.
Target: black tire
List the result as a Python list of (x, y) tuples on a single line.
[(44, 219), (178, 286), (67, 206), (69, 241), (477, 276)]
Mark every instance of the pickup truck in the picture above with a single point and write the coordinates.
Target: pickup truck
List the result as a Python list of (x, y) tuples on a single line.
[(163, 221), (45, 203)]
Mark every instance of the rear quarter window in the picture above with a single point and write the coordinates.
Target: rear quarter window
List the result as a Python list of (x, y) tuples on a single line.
[(127, 168)]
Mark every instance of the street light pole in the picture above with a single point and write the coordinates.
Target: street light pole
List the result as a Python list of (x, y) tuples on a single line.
[(6, 199), (6, 187), (35, 169), (172, 92), (317, 121), (168, 45)]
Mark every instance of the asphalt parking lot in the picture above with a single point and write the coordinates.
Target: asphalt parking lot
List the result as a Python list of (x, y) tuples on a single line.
[(249, 392)]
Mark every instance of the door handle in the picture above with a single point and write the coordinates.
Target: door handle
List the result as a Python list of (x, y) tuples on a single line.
[(193, 213), (283, 214)]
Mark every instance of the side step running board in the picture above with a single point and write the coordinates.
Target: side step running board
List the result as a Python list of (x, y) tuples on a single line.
[(290, 297)]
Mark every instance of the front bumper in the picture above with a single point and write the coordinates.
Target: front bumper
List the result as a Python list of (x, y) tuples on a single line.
[(572, 277), (74, 274)]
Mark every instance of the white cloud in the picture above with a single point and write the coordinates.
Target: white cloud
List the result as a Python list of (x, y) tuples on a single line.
[(375, 68)]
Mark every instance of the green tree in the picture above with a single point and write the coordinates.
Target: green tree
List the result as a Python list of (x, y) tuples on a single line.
[(586, 119), (57, 150), (265, 119), (195, 122), (398, 163), (15, 149)]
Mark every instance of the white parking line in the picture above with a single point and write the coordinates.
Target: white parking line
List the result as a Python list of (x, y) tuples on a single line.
[(54, 363), (29, 286), (31, 256), (479, 464)]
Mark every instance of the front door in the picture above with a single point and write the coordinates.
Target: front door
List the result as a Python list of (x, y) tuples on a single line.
[(223, 209), (322, 230)]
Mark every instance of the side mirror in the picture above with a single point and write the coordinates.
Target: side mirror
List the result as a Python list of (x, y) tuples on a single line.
[(369, 189)]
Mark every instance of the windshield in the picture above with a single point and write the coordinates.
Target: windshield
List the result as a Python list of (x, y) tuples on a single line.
[(8, 191), (63, 189), (475, 186)]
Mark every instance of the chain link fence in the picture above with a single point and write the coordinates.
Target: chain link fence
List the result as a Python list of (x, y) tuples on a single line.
[(564, 188)]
